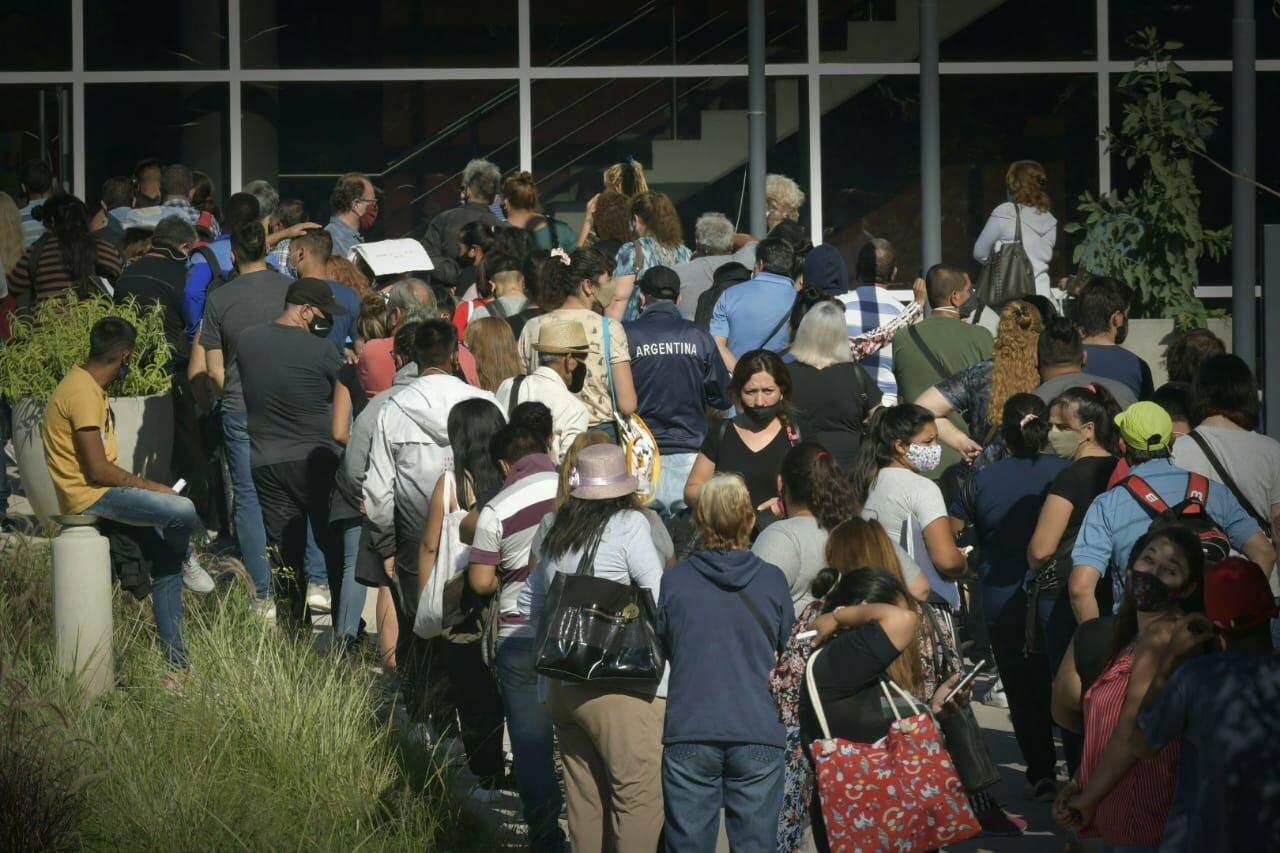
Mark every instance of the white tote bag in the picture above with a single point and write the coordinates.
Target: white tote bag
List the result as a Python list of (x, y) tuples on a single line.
[(451, 558)]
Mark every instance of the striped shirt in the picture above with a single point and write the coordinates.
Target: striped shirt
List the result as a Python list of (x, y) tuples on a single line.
[(866, 309), (53, 278), (1135, 810), (504, 534), (32, 228)]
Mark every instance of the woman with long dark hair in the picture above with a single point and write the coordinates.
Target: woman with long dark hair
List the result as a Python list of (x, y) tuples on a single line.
[(473, 480), (901, 442), (1003, 501), (67, 256), (754, 443), (610, 733), (1118, 792)]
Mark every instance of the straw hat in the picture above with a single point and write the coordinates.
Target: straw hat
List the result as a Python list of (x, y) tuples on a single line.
[(562, 336), (601, 474)]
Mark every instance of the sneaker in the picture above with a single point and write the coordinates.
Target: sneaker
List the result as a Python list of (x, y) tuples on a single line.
[(318, 597), (995, 695), (999, 823), (266, 608), (1044, 791), (487, 792), (194, 577)]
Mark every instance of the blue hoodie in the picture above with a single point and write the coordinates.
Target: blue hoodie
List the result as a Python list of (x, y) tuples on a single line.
[(720, 656)]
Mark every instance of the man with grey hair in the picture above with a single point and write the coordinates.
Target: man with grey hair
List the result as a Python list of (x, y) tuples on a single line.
[(480, 182), (713, 248), (268, 199), (410, 300), (353, 208)]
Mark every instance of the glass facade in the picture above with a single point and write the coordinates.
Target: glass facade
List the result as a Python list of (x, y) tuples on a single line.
[(409, 90)]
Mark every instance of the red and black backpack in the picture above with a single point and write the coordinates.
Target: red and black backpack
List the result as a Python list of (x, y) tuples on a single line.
[(1191, 513)]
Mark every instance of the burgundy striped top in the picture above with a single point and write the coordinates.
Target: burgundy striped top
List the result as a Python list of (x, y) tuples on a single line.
[(53, 278), (1135, 810)]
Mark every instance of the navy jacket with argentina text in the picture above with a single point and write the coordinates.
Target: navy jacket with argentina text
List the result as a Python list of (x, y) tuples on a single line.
[(678, 372)]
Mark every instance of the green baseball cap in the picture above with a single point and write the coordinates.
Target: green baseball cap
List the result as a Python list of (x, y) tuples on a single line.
[(1145, 426)]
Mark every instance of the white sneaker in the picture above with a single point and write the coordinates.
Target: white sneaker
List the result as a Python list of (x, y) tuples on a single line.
[(266, 608), (487, 795), (318, 597), (194, 577), (995, 695)]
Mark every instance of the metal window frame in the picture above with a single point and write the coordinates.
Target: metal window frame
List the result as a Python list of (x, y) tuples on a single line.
[(524, 73)]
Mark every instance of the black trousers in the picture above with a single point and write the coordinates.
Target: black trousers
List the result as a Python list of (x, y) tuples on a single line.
[(475, 693), (291, 494), (1029, 685)]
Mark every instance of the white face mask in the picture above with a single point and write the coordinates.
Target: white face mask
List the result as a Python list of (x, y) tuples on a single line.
[(924, 457)]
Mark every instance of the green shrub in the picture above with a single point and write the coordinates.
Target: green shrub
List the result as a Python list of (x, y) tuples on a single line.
[(47, 344), (265, 745)]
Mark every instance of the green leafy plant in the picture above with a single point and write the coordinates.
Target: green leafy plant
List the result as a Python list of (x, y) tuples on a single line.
[(1151, 235), (45, 345)]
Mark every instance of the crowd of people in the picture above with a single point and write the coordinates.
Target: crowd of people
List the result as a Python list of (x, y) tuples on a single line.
[(814, 487)]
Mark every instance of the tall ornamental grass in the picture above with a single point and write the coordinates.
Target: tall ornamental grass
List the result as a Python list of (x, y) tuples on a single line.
[(263, 745)]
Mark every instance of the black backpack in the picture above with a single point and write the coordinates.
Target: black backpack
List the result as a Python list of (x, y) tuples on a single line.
[(1191, 513), (707, 300), (217, 277)]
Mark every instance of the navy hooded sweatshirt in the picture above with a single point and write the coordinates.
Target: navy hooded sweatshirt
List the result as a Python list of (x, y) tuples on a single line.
[(719, 653)]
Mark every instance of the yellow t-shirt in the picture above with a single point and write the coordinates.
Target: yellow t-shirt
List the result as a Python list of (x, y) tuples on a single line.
[(78, 402), (595, 393)]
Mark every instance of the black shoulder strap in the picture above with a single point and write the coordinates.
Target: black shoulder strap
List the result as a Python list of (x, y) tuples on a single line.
[(216, 276), (928, 353), (758, 616), (777, 327), (515, 396), (495, 309), (1229, 482)]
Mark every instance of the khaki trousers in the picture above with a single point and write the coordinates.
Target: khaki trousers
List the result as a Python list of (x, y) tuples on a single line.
[(611, 747)]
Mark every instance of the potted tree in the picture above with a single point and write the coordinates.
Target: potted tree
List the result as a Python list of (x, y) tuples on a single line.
[(1150, 235), (45, 345)]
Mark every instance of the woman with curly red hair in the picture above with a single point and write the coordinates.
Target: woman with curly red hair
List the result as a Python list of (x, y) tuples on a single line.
[(658, 241), (1024, 215)]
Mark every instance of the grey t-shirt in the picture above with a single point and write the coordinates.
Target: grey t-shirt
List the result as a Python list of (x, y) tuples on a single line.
[(798, 546), (1051, 389), (250, 300), (288, 376), (697, 275)]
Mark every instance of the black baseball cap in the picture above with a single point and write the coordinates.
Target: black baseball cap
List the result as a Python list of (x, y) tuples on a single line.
[(316, 293), (660, 281)]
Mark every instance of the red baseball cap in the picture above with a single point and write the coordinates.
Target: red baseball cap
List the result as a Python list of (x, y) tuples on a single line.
[(1237, 597)]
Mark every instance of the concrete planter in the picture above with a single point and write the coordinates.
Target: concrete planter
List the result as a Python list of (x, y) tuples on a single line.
[(1148, 339), (144, 445)]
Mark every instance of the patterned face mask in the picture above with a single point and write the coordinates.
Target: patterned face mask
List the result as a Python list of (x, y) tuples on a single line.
[(924, 457)]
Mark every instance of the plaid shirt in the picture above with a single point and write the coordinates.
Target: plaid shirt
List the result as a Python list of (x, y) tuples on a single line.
[(873, 315), (280, 253), (182, 207)]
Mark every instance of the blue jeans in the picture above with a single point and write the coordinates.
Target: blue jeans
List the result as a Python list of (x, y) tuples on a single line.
[(1058, 624), (698, 779), (250, 530), (351, 596), (174, 517), (532, 743), (675, 473), (315, 559)]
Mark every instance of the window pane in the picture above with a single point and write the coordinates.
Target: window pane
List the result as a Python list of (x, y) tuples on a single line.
[(20, 133), (871, 157), (155, 35), (38, 35), (1203, 26), (185, 123), (378, 34), (642, 32), (581, 127), (969, 30), (412, 139)]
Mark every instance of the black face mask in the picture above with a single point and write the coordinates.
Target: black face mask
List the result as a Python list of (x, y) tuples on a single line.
[(320, 326), (761, 415), (967, 307), (1150, 594), (1122, 332), (578, 378)]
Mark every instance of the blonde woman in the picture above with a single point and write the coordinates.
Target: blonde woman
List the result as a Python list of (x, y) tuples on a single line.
[(626, 178), (783, 200), (1028, 203), (494, 346), (832, 396), (723, 741), (658, 241), (980, 391)]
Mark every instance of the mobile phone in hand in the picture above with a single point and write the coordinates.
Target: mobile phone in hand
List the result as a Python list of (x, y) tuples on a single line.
[(966, 681)]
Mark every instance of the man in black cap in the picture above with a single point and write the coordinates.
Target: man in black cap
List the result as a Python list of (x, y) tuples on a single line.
[(288, 370), (678, 371)]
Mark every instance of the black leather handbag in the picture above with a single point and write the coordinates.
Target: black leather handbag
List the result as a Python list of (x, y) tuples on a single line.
[(593, 629), (1008, 273), (961, 732)]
